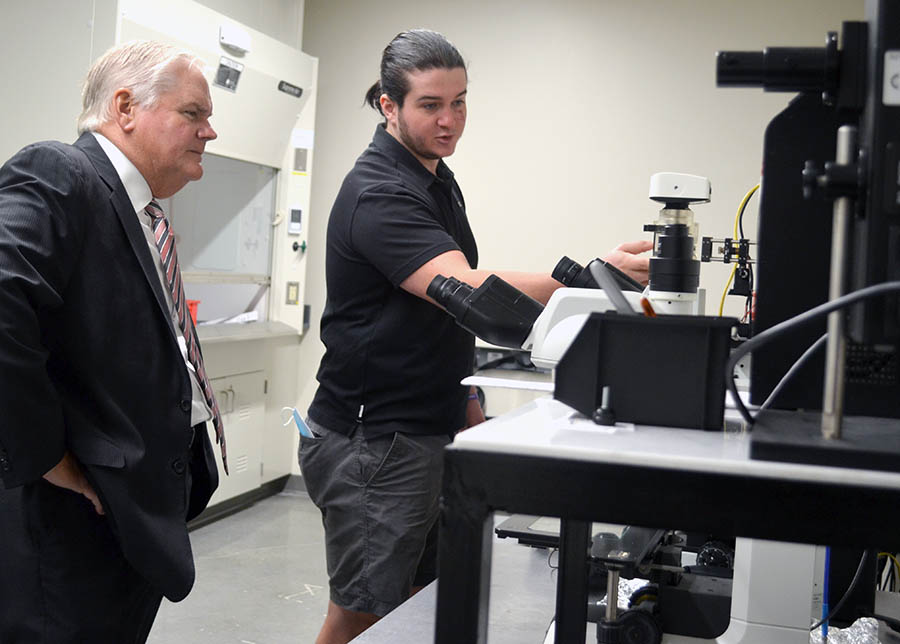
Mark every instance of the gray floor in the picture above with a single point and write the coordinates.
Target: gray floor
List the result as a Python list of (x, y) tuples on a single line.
[(260, 578)]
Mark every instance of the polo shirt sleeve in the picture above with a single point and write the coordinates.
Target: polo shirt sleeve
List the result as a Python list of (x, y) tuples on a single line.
[(397, 233)]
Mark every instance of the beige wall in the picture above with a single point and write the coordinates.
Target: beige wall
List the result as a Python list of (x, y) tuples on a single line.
[(573, 105), (42, 42)]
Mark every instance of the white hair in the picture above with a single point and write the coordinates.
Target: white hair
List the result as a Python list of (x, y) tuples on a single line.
[(142, 66)]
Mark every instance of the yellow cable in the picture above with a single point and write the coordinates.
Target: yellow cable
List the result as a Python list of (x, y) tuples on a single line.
[(743, 205), (893, 558), (725, 292), (737, 218)]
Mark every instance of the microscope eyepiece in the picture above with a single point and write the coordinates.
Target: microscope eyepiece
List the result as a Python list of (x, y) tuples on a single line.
[(567, 272), (570, 273), (450, 293), (496, 311)]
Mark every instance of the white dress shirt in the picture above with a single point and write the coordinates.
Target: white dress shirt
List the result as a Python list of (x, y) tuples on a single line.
[(139, 193)]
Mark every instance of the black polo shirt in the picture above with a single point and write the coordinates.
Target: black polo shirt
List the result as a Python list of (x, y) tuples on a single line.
[(393, 361)]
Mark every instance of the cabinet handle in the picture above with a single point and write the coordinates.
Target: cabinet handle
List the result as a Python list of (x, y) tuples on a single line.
[(229, 397)]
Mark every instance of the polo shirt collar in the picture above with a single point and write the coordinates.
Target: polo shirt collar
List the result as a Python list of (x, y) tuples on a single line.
[(394, 149)]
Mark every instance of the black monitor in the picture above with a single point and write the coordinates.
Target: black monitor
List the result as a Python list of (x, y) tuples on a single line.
[(855, 84)]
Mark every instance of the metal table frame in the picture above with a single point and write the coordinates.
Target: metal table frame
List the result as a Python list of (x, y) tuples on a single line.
[(498, 466)]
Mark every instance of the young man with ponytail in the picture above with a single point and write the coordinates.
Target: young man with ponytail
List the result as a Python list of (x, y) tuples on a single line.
[(389, 398)]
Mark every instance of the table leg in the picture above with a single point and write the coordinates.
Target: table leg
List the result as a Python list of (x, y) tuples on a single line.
[(464, 560), (571, 587)]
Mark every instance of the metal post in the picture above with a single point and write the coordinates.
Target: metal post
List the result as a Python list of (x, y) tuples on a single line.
[(835, 352), (612, 594)]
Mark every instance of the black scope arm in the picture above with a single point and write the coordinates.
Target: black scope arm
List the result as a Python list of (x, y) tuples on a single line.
[(496, 311)]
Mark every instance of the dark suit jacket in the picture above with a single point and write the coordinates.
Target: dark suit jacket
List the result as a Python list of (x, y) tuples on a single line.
[(89, 359)]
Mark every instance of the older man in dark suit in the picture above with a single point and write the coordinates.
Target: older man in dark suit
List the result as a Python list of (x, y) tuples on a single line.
[(104, 451)]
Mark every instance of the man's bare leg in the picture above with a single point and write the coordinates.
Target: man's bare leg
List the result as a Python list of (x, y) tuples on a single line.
[(342, 625)]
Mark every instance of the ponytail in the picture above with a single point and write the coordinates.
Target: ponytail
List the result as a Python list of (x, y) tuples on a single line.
[(373, 97)]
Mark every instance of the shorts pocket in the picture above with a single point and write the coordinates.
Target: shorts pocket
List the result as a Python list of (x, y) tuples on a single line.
[(308, 443), (380, 466), (315, 465)]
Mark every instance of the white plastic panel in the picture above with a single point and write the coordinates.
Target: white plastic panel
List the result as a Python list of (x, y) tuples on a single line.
[(255, 120)]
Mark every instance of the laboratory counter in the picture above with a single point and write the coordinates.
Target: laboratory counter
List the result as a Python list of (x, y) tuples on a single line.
[(544, 460)]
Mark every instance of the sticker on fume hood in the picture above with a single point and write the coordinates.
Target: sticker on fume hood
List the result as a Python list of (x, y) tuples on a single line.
[(287, 88), (228, 74)]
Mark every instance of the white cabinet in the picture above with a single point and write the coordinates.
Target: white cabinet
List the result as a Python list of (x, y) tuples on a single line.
[(253, 373), (242, 402)]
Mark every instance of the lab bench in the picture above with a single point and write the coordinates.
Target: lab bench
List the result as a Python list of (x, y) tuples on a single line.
[(542, 460)]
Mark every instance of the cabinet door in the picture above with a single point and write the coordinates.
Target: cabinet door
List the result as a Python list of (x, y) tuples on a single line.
[(241, 401)]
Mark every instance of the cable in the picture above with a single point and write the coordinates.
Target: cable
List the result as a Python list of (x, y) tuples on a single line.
[(725, 292), (892, 622), (794, 368), (738, 220), (892, 558), (798, 320), (738, 224), (748, 305), (740, 217), (885, 573), (895, 568), (826, 590), (847, 593)]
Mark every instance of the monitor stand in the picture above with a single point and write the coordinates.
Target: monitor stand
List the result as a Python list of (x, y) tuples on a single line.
[(796, 437)]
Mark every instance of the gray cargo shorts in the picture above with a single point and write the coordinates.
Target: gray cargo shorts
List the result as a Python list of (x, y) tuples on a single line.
[(379, 500)]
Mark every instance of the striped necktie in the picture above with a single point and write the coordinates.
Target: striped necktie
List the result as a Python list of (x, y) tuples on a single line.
[(165, 242)]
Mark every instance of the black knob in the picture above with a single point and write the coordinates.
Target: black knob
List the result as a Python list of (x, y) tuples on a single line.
[(810, 179)]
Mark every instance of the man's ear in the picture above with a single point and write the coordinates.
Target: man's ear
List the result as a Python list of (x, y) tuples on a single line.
[(124, 109), (388, 107)]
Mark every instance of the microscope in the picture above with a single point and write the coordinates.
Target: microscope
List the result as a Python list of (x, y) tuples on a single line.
[(500, 314), (602, 333)]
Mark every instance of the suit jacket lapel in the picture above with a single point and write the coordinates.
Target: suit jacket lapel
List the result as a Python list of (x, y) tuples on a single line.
[(121, 204)]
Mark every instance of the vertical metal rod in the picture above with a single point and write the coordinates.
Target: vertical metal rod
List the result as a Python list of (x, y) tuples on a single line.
[(835, 352), (612, 594)]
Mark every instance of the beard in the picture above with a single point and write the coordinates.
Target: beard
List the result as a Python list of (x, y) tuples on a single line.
[(416, 144)]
